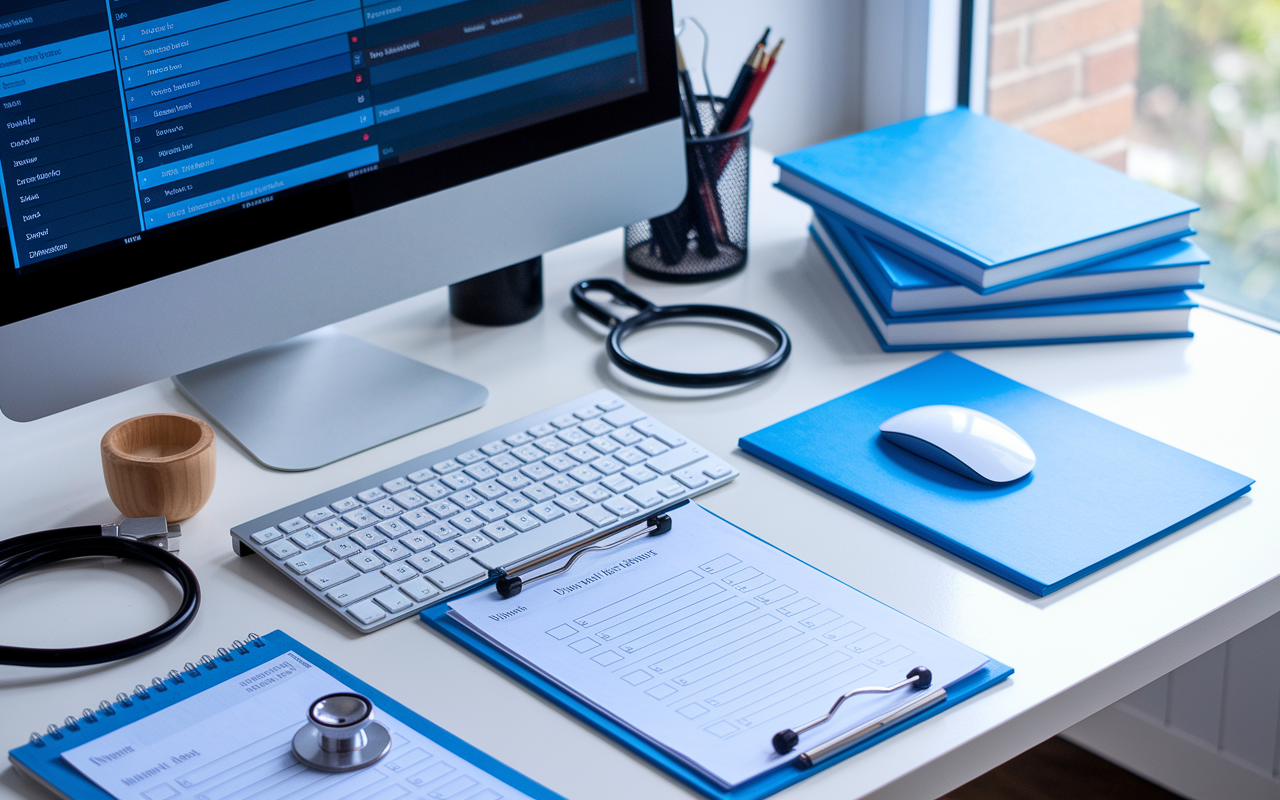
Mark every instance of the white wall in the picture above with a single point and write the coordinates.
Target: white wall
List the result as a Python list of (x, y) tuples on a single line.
[(814, 94)]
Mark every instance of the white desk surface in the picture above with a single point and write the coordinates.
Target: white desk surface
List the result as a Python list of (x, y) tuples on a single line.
[(1074, 652)]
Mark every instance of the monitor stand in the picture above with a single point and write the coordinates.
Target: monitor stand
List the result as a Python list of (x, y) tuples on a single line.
[(320, 397)]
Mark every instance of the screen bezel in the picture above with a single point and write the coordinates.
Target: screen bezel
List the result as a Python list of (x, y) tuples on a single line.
[(162, 252)]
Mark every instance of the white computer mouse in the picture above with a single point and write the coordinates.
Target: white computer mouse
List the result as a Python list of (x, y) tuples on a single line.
[(963, 440)]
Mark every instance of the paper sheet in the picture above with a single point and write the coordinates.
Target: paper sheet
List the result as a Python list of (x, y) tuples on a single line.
[(232, 742), (707, 641)]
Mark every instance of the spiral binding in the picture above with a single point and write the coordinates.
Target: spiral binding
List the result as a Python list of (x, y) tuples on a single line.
[(126, 699)]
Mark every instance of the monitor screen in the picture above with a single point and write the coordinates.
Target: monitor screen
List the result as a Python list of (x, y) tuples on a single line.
[(145, 137)]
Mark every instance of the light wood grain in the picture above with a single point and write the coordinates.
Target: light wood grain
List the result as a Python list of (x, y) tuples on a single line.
[(160, 465)]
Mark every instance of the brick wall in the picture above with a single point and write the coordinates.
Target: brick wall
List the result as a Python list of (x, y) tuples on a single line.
[(1065, 70)]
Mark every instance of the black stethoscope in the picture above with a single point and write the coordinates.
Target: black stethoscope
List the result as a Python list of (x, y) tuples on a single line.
[(649, 314)]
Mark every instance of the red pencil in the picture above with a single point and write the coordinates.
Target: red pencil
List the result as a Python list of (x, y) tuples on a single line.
[(744, 110)]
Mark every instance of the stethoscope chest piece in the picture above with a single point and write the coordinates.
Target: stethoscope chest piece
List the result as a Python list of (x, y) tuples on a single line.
[(341, 734)]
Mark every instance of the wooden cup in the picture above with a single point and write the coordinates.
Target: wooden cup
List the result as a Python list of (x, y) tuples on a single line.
[(159, 465)]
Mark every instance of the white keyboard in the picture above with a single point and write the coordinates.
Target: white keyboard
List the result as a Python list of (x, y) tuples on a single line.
[(381, 548)]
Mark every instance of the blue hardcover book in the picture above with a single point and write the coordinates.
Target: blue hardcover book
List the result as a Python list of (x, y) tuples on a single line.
[(1158, 315), (1099, 491), (905, 286), (993, 206)]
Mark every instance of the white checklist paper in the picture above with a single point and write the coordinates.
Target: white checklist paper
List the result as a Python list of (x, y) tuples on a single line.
[(233, 742), (707, 642)]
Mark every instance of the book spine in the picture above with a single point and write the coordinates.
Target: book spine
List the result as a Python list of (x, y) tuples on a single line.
[(126, 701)]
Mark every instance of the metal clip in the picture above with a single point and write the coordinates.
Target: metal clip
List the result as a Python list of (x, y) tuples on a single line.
[(156, 531)]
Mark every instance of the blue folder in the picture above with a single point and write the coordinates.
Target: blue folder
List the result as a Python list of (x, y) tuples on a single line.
[(42, 757), (1099, 491), (784, 775)]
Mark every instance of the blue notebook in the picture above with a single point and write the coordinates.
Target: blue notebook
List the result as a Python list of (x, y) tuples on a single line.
[(1157, 315), (814, 646), (1099, 491), (993, 206), (252, 679), (905, 286)]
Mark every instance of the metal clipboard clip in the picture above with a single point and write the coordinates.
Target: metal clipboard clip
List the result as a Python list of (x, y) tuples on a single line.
[(919, 678), (510, 583)]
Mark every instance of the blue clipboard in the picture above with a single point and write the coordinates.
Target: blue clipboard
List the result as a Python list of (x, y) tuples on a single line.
[(776, 780)]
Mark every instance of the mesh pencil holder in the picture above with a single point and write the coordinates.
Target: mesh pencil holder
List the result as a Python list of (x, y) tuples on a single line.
[(706, 236)]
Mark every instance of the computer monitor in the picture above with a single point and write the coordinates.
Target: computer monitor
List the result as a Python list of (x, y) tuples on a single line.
[(185, 181)]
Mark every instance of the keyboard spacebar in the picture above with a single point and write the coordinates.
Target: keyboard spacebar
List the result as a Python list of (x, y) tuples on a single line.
[(535, 541)]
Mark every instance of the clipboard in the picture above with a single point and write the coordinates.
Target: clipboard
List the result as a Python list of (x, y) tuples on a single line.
[(760, 786)]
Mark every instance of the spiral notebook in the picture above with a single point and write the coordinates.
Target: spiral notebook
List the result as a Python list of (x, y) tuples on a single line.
[(222, 730)]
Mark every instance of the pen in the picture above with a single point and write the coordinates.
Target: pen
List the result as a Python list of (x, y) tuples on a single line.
[(744, 109), (740, 87), (707, 217)]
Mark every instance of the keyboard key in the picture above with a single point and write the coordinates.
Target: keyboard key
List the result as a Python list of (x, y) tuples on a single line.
[(608, 465), (617, 483), (311, 560), (343, 548), (534, 541), (717, 470), (417, 542), (418, 519), (574, 436), (452, 576), (393, 528), (517, 439), (267, 535), (661, 432), (443, 509), (624, 416), (571, 502), (539, 493), (515, 502), (293, 525), (409, 500), (528, 453), (491, 512), (653, 447), (367, 612), (345, 504), (596, 427), (595, 493), (332, 575), (610, 404), (490, 490), (359, 519), (604, 445), (475, 541), (441, 531), (433, 490), (505, 462), (587, 412), (451, 552), (319, 514), (371, 495), (691, 478), (419, 589), (499, 531), (540, 430), (493, 448), (645, 497), (561, 483), (466, 500), (679, 458), (445, 467), (514, 480), (421, 476), (393, 600), (386, 509), (640, 474), (630, 456), (425, 562), (626, 437), (365, 562), (523, 522), (482, 472), (560, 462), (547, 512), (551, 444), (621, 506), (467, 522), (585, 474), (583, 453), (359, 588), (564, 421), (310, 537), (669, 489), (369, 538), (333, 528), (400, 572), (283, 549), (393, 552), (397, 485), (470, 457), (537, 472), (458, 481), (598, 516)]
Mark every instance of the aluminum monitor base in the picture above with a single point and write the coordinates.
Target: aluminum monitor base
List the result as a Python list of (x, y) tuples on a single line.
[(320, 397)]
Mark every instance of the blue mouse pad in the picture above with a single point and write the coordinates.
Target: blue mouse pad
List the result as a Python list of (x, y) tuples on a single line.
[(1099, 491)]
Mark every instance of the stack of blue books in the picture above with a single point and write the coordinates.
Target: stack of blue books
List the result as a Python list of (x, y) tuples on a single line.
[(958, 231)]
